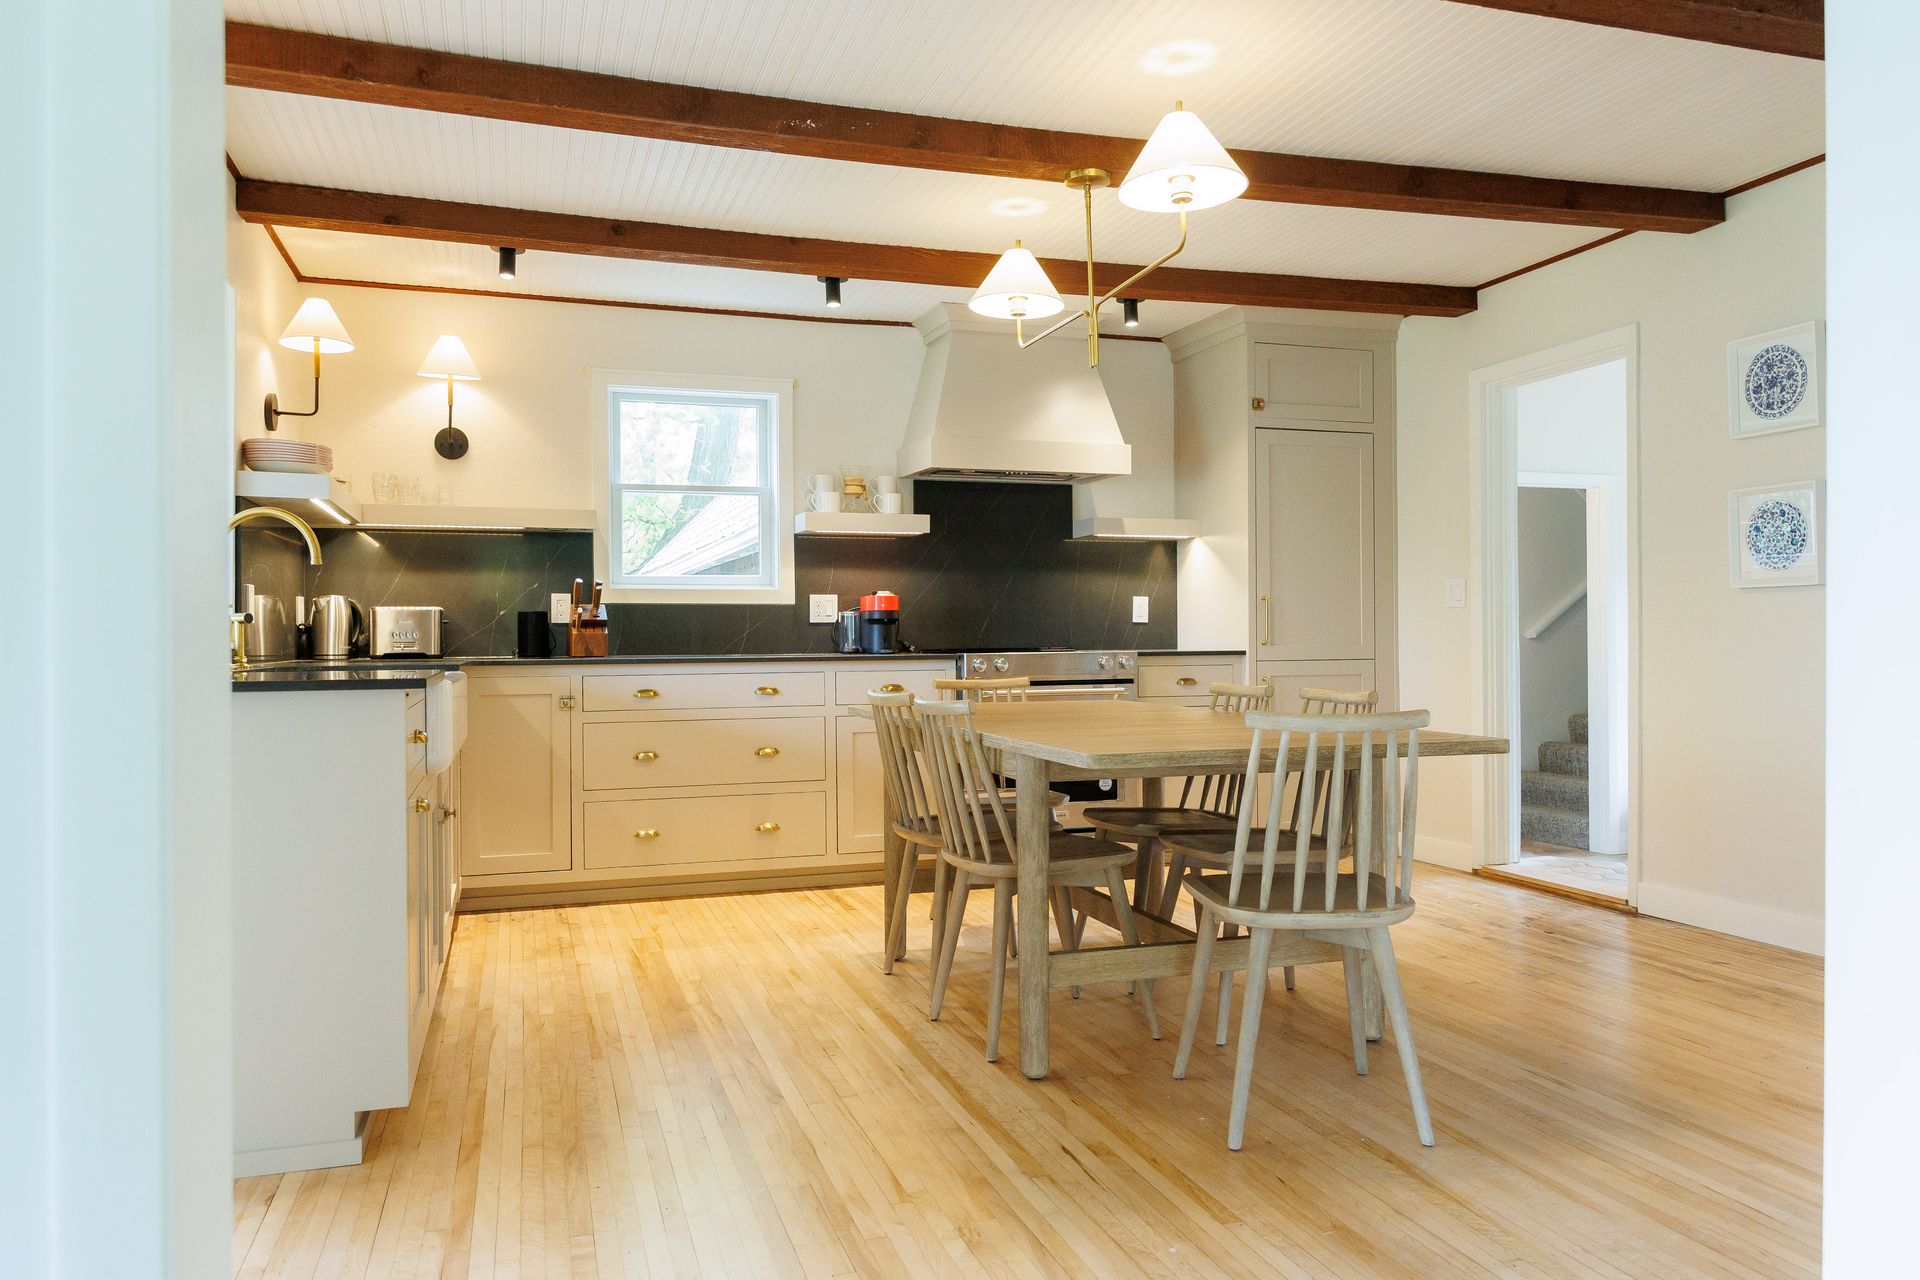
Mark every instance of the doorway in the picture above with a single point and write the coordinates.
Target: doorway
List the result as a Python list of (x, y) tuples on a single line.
[(1555, 438)]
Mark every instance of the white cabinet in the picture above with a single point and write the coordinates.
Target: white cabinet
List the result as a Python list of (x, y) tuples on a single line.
[(1314, 554), (1288, 678), (1298, 382), (860, 785), (517, 775)]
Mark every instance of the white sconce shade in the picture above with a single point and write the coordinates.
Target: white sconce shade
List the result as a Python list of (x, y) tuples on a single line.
[(313, 323), (449, 359), (1016, 289), (1183, 166)]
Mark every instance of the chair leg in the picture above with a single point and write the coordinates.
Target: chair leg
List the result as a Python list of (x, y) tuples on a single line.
[(1353, 961), (1196, 991), (1143, 872), (1170, 888), (1287, 973), (1123, 915), (996, 993), (1396, 1001), (942, 874), (897, 927), (1226, 992), (1062, 900), (1249, 1034), (949, 942)]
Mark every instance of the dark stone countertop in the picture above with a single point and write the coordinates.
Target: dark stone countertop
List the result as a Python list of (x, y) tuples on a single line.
[(307, 676), (415, 673)]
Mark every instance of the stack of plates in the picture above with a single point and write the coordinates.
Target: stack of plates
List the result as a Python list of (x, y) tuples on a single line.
[(265, 454)]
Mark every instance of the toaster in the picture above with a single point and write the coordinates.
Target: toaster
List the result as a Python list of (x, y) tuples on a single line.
[(406, 629)]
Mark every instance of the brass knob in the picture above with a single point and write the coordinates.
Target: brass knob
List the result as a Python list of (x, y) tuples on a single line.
[(766, 827), (418, 735), (767, 752), (893, 688), (644, 756), (646, 693), (421, 806), (647, 833), (767, 691), (1186, 680)]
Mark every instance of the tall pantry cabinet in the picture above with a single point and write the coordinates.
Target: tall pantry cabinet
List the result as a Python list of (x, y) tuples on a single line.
[(1285, 454)]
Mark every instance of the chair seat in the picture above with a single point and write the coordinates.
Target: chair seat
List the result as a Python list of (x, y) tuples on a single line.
[(932, 839), (1212, 892), (1067, 855), (1156, 820), (1215, 848)]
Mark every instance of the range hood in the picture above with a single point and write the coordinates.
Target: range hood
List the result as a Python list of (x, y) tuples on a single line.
[(985, 409)]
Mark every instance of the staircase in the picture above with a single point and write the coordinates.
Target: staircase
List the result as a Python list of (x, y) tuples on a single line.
[(1553, 798)]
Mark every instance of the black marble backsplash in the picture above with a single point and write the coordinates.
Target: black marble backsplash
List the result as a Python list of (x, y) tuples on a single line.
[(999, 570)]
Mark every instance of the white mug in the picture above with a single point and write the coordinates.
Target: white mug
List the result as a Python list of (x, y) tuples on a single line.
[(887, 504), (886, 484), (822, 482), (824, 500)]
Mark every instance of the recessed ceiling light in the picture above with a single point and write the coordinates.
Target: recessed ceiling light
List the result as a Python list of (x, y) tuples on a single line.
[(1017, 207), (1178, 58)]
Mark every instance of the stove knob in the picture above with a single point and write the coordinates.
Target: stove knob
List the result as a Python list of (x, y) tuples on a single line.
[(978, 664), (1106, 663), (1125, 663), (999, 664)]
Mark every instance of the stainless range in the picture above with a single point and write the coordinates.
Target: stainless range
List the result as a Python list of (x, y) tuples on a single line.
[(1062, 673)]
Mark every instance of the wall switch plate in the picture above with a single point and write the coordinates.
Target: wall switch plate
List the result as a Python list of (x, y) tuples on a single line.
[(558, 603), (823, 608), (1456, 593), (1139, 608)]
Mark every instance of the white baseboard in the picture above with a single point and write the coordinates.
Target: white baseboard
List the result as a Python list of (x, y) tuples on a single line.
[(313, 1155), (1461, 855), (1741, 919)]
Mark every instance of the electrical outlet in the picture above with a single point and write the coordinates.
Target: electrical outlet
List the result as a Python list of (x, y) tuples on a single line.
[(823, 608), (1140, 608), (558, 603), (1456, 593)]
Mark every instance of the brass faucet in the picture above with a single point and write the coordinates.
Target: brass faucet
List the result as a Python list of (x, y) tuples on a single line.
[(238, 622)]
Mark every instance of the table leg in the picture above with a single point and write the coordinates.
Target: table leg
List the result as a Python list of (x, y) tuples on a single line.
[(1152, 796), (1030, 922)]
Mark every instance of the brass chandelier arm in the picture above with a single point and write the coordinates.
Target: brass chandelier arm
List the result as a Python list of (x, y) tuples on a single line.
[(1091, 311)]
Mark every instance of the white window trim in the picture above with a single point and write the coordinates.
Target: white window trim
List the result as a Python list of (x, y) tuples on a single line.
[(780, 458)]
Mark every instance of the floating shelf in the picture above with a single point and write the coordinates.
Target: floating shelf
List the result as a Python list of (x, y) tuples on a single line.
[(1136, 528), (320, 500), (325, 503), (861, 524)]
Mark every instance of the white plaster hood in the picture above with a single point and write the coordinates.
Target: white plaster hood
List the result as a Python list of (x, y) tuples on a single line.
[(986, 409)]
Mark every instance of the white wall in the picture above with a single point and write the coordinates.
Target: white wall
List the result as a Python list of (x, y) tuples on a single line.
[(528, 417), (1553, 669), (1729, 702)]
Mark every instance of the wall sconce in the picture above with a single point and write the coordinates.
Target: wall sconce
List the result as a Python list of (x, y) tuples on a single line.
[(449, 359), (313, 325)]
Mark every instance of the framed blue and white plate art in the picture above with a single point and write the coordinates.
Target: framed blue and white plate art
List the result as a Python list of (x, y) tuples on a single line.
[(1774, 381), (1775, 535)]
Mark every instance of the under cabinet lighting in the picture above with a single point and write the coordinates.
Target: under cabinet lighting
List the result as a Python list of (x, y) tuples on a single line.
[(1136, 528)]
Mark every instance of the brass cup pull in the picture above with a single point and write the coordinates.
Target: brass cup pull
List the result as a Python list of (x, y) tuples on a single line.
[(646, 693), (644, 756), (767, 827), (1186, 680), (893, 688), (418, 735), (647, 833), (421, 806), (766, 753), (768, 691)]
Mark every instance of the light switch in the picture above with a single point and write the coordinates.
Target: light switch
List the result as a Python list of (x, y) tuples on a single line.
[(1139, 608), (1456, 593), (558, 605), (823, 608)]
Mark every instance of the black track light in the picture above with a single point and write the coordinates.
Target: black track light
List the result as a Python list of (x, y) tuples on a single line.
[(507, 257), (1130, 312), (833, 284)]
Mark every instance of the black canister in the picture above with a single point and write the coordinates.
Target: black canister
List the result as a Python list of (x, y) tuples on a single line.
[(880, 623), (536, 635)]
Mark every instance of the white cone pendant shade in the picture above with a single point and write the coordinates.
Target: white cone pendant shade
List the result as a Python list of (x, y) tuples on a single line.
[(1183, 166), (1016, 288), (316, 322), (449, 359)]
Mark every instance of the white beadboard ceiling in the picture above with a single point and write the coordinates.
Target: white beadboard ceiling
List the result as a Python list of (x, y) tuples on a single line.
[(1411, 81)]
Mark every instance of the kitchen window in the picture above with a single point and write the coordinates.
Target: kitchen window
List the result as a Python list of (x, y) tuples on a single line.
[(695, 472)]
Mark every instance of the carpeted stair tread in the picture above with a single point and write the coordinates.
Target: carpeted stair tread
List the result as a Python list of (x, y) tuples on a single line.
[(1577, 727), (1569, 758), (1552, 825), (1555, 790)]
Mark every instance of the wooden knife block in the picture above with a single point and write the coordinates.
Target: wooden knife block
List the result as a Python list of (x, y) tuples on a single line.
[(587, 636)]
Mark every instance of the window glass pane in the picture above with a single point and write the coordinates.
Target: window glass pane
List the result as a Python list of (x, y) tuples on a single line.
[(682, 534), (664, 442)]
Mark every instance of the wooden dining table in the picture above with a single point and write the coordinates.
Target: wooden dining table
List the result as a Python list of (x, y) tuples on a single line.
[(1043, 742)]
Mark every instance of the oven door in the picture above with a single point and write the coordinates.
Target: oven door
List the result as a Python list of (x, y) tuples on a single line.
[(1081, 792)]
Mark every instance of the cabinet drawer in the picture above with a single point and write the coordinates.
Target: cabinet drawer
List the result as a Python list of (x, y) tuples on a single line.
[(671, 691), (697, 831), (850, 687), (1186, 679), (690, 753)]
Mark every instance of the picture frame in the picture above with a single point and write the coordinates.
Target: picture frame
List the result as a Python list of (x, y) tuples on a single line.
[(1774, 535), (1775, 382)]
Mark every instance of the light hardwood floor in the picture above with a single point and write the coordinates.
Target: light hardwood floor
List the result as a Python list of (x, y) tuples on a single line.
[(730, 1087)]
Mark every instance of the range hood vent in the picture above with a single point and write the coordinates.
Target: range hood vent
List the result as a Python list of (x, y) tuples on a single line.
[(985, 410)]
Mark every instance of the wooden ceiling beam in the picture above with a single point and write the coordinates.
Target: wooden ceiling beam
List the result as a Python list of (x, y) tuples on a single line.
[(326, 209), (396, 76), (1793, 27)]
